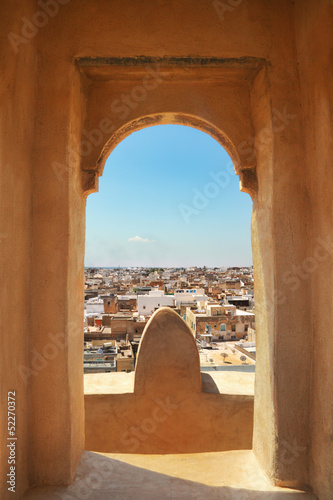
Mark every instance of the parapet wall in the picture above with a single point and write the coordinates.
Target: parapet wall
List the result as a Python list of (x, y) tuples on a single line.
[(168, 412)]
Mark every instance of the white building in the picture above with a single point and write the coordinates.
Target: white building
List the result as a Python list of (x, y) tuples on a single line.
[(155, 298), (94, 305), (189, 295)]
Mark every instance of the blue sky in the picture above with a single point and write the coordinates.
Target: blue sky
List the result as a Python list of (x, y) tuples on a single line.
[(168, 197)]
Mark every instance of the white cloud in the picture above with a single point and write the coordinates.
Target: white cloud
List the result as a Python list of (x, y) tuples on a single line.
[(141, 240)]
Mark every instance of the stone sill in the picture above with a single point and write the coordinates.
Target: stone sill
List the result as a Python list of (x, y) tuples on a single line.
[(226, 382)]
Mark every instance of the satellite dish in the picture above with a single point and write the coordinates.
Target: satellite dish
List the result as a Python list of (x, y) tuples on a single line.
[(243, 358)]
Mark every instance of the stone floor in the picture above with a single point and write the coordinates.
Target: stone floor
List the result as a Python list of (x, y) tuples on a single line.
[(232, 475)]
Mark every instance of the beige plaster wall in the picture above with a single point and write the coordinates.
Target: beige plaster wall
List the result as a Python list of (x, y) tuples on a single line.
[(17, 81), (314, 21), (292, 207), (58, 209), (125, 423), (280, 225)]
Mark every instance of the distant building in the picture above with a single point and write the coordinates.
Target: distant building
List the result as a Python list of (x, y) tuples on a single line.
[(245, 301), (223, 322), (111, 305), (125, 357), (232, 285), (156, 298), (141, 290), (127, 302), (94, 305)]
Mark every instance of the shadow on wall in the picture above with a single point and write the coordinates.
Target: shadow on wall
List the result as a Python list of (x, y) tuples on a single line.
[(168, 412)]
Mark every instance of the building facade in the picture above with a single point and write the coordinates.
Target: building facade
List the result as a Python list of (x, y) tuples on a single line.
[(222, 322)]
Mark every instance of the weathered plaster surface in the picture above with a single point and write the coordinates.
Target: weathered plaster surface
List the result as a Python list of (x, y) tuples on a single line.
[(283, 112)]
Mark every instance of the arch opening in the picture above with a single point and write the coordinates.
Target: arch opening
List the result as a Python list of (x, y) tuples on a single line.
[(244, 169), (207, 312), (214, 182), (188, 162)]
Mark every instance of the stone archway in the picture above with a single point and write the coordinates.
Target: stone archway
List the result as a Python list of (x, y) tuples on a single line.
[(246, 173), (210, 94), (264, 66), (229, 100), (232, 96)]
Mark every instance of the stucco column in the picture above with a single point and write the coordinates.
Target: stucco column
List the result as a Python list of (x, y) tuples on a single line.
[(16, 135), (280, 227), (314, 49), (56, 417)]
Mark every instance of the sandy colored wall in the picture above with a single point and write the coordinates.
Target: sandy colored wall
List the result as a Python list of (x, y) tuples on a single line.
[(292, 208), (314, 52), (16, 136), (280, 224), (125, 423), (58, 209)]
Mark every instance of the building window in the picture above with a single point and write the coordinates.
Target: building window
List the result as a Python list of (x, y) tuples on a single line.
[(143, 307), (223, 327), (233, 328), (246, 327)]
